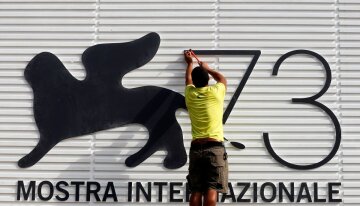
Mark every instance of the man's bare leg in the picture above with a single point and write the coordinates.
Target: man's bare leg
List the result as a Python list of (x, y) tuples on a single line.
[(210, 198), (196, 199)]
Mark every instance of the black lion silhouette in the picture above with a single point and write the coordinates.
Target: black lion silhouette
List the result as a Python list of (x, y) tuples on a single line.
[(65, 107)]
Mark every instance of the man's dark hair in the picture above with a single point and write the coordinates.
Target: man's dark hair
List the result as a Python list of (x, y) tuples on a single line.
[(200, 77)]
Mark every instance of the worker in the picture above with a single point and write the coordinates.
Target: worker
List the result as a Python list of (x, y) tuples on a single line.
[(208, 167)]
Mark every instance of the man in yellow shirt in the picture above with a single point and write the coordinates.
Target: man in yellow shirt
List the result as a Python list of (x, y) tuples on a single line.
[(208, 167)]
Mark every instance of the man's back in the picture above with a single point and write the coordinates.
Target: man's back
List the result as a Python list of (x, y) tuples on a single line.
[(205, 106)]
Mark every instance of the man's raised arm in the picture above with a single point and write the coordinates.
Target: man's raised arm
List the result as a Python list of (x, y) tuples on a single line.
[(215, 74), (189, 68)]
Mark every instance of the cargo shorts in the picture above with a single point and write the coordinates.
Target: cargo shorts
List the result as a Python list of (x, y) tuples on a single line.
[(208, 168)]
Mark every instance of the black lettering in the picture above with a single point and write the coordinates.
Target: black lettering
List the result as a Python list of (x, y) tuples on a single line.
[(26, 194), (304, 187), (173, 191), (316, 193), (110, 187), (77, 189), (129, 191), (160, 184), (290, 195), (255, 192), (273, 193), (147, 194), (227, 195), (332, 191), (90, 191), (40, 189), (246, 186), (62, 190)]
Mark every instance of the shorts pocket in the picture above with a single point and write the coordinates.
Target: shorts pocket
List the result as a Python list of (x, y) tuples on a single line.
[(219, 169), (218, 157)]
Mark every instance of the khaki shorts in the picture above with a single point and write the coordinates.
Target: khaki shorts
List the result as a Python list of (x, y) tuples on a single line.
[(208, 168)]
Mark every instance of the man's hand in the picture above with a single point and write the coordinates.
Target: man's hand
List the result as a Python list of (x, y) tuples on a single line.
[(188, 58), (189, 61)]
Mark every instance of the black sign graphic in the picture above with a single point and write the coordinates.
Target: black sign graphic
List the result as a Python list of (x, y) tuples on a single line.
[(65, 107)]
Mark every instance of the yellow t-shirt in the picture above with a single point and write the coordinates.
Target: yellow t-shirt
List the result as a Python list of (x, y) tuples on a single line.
[(205, 106)]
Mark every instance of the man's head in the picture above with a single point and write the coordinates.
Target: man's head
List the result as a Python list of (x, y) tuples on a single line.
[(200, 77)]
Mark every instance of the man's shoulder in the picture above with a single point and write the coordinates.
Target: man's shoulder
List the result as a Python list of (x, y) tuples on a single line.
[(189, 88), (218, 90), (218, 86)]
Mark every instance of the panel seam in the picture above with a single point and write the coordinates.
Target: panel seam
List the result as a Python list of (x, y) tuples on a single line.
[(216, 32), (93, 136), (338, 92), (96, 22)]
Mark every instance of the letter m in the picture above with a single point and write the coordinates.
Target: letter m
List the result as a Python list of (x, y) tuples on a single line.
[(30, 189)]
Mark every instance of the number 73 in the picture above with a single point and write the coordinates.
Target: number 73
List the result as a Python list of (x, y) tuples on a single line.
[(308, 100)]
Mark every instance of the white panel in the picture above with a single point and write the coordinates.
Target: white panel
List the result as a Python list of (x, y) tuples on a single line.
[(349, 53), (300, 133)]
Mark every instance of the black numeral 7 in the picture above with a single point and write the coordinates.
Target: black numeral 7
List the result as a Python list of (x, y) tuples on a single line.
[(256, 54)]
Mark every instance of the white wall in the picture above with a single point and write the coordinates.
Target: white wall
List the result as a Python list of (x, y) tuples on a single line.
[(300, 133)]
